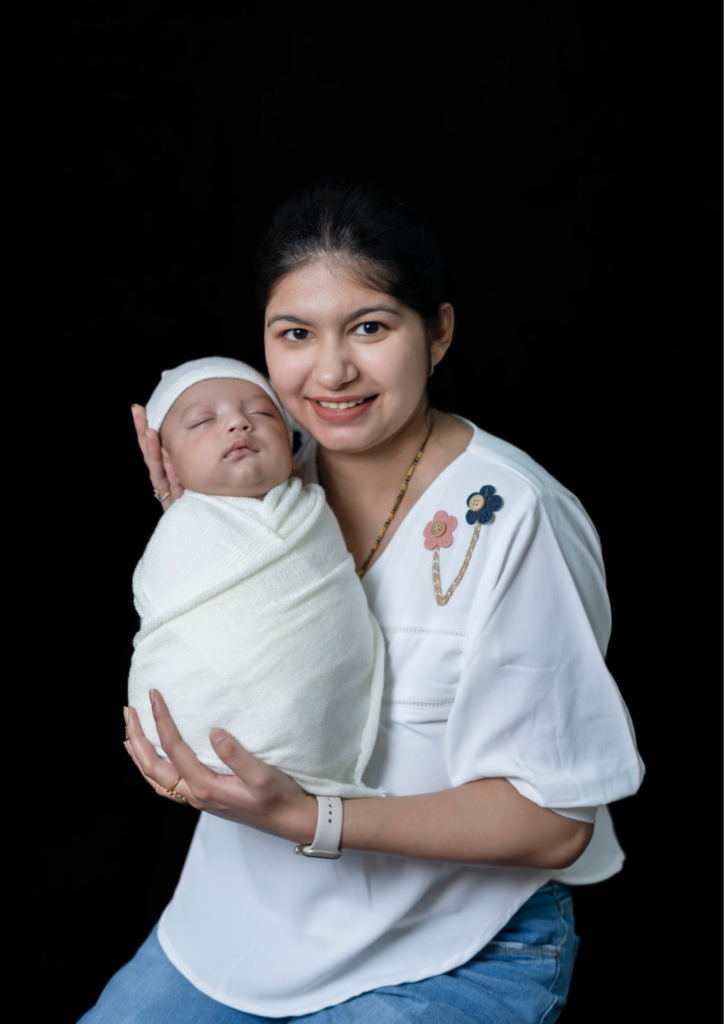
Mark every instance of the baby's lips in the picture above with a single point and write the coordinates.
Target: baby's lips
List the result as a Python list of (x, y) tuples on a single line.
[(239, 445)]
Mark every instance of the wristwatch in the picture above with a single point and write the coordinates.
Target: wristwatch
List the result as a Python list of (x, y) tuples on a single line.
[(329, 830)]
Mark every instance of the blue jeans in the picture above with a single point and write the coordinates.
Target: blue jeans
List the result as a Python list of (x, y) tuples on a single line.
[(520, 977)]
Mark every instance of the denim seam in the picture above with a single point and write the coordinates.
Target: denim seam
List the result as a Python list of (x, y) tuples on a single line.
[(526, 951), (559, 904)]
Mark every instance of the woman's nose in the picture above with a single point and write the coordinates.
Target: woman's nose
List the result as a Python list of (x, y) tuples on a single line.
[(334, 367)]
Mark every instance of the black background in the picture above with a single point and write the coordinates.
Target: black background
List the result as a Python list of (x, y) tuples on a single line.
[(552, 148)]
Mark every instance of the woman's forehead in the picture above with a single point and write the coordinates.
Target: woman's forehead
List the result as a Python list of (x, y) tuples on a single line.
[(327, 289)]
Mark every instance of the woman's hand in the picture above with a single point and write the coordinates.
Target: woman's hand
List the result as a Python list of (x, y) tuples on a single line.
[(163, 477), (257, 794)]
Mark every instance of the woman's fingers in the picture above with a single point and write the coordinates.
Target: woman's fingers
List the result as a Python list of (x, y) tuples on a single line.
[(155, 463), (175, 486), (141, 424), (197, 776), (163, 476), (257, 794), (146, 758), (155, 770), (160, 790), (252, 772), (132, 755), (256, 776)]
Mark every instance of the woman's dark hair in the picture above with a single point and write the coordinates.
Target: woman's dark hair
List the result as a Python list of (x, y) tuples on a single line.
[(358, 223)]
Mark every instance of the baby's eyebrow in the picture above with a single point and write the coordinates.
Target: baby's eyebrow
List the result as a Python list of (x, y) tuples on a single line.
[(196, 406), (253, 399)]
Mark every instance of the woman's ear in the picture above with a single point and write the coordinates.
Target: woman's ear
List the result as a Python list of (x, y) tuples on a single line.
[(442, 336)]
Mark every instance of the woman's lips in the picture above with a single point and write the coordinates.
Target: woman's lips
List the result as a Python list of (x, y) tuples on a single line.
[(342, 415)]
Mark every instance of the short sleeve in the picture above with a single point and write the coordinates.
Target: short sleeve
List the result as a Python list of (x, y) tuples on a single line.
[(536, 703)]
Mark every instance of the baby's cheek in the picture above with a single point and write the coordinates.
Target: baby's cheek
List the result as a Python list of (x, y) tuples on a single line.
[(194, 465), (285, 462)]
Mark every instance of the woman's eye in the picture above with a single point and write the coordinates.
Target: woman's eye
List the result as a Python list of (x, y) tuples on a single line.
[(369, 328), (296, 334)]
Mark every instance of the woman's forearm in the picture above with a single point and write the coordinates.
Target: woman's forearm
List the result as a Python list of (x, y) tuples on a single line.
[(482, 822)]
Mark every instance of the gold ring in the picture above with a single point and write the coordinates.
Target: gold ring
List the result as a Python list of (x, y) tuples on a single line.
[(172, 791), (160, 494)]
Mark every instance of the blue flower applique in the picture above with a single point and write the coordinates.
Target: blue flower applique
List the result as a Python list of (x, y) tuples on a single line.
[(482, 505)]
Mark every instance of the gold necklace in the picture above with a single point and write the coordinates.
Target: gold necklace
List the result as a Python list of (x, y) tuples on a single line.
[(398, 499)]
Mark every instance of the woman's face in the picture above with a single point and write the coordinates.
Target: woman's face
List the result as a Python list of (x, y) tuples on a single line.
[(350, 363)]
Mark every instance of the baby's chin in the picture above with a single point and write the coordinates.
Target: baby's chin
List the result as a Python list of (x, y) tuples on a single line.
[(235, 486)]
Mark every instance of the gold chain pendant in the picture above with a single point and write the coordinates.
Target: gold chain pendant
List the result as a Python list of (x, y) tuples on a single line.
[(442, 599), (482, 506), (408, 476)]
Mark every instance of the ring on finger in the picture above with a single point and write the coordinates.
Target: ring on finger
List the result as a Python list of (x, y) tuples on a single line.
[(172, 791), (161, 495)]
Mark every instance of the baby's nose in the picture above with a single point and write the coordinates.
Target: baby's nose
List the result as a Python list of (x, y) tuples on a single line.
[(239, 422)]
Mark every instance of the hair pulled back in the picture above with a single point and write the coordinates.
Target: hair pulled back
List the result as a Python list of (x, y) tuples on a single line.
[(382, 237)]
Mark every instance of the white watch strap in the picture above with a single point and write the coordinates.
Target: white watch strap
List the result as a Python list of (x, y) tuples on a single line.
[(329, 830)]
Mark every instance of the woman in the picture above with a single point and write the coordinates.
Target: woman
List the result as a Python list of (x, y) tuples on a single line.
[(502, 737)]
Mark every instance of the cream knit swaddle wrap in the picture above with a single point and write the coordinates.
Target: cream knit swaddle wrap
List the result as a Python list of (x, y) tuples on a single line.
[(254, 620)]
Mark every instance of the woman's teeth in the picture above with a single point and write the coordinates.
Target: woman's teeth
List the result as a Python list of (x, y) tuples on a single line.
[(342, 405)]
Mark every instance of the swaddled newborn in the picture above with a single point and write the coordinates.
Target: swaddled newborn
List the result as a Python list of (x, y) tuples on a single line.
[(252, 616)]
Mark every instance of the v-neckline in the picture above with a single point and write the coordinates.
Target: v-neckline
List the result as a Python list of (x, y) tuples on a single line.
[(424, 494)]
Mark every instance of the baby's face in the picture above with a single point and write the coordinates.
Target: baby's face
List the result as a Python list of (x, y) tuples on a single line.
[(227, 437)]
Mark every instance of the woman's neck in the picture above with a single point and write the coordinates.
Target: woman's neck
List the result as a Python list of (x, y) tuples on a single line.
[(362, 487), (377, 470)]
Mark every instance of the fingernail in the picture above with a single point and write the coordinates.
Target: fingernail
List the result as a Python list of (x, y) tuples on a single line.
[(146, 431), (127, 748), (152, 695), (126, 715), (217, 735), (134, 405)]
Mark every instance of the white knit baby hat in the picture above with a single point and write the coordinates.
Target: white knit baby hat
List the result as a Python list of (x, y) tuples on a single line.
[(174, 382)]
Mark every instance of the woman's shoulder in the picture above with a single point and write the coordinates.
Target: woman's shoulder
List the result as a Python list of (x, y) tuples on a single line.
[(522, 483)]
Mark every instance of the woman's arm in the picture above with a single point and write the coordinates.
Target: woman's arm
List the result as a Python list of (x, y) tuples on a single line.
[(481, 822)]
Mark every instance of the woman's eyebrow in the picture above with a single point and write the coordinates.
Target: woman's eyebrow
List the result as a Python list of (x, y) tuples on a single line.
[(289, 316), (363, 311)]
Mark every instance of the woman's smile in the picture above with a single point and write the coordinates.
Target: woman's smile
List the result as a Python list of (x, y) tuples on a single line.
[(342, 410)]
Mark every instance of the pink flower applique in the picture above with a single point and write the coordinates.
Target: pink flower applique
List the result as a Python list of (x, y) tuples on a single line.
[(439, 531)]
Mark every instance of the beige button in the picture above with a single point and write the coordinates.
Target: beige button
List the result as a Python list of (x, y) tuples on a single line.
[(438, 528), (477, 501)]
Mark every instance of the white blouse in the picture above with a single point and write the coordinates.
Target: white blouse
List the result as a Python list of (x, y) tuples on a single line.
[(507, 679)]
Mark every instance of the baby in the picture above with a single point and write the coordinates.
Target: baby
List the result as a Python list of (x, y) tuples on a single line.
[(252, 616)]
